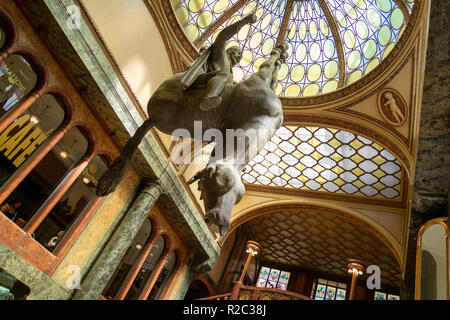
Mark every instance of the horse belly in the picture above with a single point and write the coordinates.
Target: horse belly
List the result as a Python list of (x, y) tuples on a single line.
[(172, 108), (255, 99)]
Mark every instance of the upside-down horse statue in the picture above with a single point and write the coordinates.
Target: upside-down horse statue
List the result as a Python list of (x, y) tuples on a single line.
[(205, 92)]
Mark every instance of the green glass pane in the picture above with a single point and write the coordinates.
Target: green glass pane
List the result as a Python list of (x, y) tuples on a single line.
[(397, 18), (374, 17), (384, 5), (369, 49), (384, 35), (329, 48), (354, 59)]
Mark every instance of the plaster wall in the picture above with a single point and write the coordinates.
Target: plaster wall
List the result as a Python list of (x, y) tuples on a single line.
[(137, 47)]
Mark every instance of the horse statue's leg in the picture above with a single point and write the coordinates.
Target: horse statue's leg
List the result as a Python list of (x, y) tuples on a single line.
[(278, 63), (111, 178), (269, 69)]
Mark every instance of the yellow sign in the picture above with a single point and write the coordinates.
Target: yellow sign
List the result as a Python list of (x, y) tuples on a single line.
[(20, 140)]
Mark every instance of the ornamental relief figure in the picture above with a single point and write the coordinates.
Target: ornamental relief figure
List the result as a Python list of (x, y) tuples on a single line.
[(392, 107)]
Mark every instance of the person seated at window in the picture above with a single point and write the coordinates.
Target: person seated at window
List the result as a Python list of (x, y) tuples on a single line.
[(55, 240), (11, 210)]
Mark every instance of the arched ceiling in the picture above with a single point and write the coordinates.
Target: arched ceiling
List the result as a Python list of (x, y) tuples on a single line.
[(323, 242), (332, 43)]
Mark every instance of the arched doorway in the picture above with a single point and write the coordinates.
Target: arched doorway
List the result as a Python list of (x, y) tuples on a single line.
[(198, 289)]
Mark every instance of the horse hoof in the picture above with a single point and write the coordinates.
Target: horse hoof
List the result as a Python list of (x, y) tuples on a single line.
[(283, 47), (283, 57)]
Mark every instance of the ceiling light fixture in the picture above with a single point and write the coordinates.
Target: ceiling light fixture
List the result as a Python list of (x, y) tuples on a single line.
[(65, 152)]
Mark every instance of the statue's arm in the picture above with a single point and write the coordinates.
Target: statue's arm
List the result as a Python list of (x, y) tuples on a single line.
[(227, 33)]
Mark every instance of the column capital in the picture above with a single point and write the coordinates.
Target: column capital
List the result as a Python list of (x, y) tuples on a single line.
[(153, 188), (355, 266)]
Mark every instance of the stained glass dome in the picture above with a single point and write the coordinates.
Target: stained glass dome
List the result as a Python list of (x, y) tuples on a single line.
[(332, 43)]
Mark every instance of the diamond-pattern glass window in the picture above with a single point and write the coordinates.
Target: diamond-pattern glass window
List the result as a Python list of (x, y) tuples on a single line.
[(326, 159), (332, 43)]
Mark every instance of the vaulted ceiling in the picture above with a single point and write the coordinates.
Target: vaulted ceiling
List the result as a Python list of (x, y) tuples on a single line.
[(322, 242)]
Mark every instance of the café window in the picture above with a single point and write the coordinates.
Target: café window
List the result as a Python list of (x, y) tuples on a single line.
[(17, 80), (163, 278), (71, 206), (24, 135), (47, 175), (3, 34), (147, 269), (129, 259)]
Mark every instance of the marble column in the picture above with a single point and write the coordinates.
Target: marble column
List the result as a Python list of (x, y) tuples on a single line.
[(100, 274)]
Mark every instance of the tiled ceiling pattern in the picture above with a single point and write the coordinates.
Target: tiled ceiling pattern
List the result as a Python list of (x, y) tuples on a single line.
[(326, 159), (363, 31), (321, 242)]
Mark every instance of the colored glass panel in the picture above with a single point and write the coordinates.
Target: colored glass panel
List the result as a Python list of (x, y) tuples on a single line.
[(340, 294), (327, 160), (195, 16), (314, 61), (261, 283), (331, 293), (380, 296), (367, 30), (284, 277), (320, 292), (282, 286), (273, 278), (258, 40)]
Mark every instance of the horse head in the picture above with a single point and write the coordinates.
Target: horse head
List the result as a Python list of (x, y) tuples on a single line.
[(221, 189)]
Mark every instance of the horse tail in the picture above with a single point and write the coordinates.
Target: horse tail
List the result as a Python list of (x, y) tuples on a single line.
[(112, 177)]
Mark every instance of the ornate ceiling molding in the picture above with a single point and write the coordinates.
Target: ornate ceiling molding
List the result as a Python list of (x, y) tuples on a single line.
[(285, 22), (329, 196), (180, 50)]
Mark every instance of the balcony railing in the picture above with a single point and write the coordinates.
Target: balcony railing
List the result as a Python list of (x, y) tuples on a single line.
[(241, 292)]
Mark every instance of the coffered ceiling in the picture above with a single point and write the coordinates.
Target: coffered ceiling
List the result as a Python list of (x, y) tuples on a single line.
[(322, 242)]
